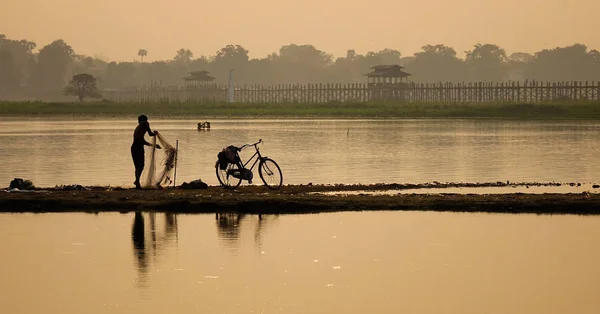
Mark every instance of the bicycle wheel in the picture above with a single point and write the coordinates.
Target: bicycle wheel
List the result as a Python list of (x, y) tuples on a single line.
[(270, 173), (225, 178)]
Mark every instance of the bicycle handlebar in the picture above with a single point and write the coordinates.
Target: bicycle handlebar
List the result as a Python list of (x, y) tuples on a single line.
[(247, 145)]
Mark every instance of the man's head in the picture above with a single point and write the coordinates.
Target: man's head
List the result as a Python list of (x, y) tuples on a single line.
[(142, 118)]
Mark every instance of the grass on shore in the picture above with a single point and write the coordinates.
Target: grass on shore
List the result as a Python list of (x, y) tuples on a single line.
[(550, 110)]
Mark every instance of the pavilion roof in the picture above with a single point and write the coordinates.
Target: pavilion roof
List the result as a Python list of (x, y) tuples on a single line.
[(199, 76), (391, 70)]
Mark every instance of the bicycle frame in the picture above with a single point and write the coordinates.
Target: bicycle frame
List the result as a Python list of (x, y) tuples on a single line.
[(243, 170), (256, 160), (256, 154)]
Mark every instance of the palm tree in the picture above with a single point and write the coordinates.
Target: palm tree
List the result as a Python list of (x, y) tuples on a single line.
[(142, 53)]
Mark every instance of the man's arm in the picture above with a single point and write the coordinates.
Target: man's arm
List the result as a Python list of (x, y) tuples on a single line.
[(150, 133), (148, 144)]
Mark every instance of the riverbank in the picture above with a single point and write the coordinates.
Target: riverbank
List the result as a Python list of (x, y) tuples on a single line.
[(289, 200), (584, 110)]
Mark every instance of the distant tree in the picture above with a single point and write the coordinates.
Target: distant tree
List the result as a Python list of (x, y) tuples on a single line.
[(385, 56), (21, 53), (111, 76), (301, 64), (404, 61), (353, 67), (437, 63), (51, 68), (307, 54), (351, 54), (86, 64), (183, 55), (10, 76), (232, 52), (142, 53), (231, 57), (595, 55), (564, 63), (346, 69), (517, 65), (120, 74), (486, 62), (162, 72), (200, 64), (82, 85), (521, 57)]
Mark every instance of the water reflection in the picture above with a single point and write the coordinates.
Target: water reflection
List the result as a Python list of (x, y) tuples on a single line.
[(347, 262), (146, 249), (139, 243), (152, 234), (262, 225), (230, 226)]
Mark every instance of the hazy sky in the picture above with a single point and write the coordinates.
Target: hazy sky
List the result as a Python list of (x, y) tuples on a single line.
[(117, 29)]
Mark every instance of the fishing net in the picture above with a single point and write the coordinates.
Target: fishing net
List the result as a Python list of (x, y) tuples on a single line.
[(160, 173)]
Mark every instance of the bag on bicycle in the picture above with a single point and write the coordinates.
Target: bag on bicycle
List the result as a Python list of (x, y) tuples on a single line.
[(226, 156), (222, 160)]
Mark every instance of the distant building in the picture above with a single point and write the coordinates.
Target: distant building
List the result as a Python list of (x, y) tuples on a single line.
[(198, 78), (387, 82), (199, 86), (386, 75)]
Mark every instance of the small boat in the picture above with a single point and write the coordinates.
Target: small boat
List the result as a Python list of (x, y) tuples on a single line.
[(204, 126)]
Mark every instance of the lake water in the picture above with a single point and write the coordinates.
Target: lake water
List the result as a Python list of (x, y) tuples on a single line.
[(96, 152), (359, 262), (356, 263)]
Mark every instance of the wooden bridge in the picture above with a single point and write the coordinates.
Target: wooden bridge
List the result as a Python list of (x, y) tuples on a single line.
[(476, 92)]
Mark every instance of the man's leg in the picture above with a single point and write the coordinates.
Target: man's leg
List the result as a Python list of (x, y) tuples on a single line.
[(138, 173), (138, 162)]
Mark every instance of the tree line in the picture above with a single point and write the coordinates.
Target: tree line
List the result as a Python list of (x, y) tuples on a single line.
[(27, 70)]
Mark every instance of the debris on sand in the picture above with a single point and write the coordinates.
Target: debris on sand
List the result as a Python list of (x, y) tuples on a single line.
[(20, 184), (72, 187), (196, 184)]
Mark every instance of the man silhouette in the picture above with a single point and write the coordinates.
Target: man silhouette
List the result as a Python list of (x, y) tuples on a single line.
[(137, 148)]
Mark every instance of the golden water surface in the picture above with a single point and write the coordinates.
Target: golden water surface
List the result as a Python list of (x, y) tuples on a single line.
[(369, 262), (97, 152)]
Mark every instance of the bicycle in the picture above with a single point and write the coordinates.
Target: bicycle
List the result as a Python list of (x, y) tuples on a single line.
[(231, 177)]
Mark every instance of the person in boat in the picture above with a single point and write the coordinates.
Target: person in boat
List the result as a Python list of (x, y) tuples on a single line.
[(204, 126), (137, 148)]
